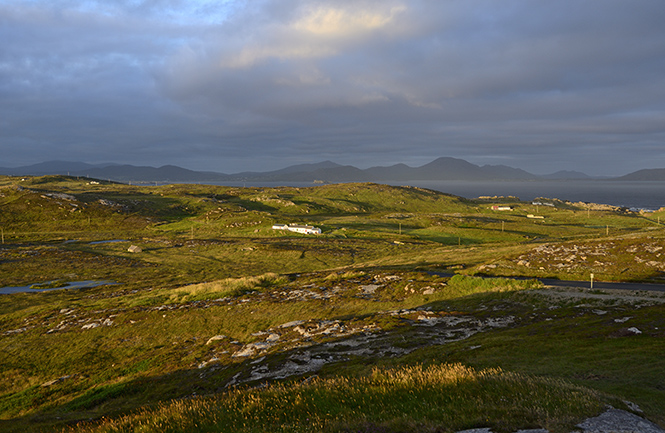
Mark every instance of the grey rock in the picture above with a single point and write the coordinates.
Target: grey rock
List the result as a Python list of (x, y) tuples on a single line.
[(633, 406), (612, 421), (251, 349), (54, 381), (619, 421), (245, 351), (60, 196), (134, 249), (428, 290), (291, 324), (215, 338), (208, 362), (369, 289)]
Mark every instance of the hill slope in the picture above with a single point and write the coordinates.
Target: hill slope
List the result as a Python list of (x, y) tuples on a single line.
[(653, 174)]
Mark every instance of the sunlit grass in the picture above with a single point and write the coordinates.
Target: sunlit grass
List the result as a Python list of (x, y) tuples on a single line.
[(461, 285), (442, 397), (227, 287)]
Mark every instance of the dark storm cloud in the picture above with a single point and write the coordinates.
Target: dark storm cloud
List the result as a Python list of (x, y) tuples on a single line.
[(225, 85)]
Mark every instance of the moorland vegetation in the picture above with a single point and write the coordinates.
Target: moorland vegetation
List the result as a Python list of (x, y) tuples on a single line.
[(404, 314)]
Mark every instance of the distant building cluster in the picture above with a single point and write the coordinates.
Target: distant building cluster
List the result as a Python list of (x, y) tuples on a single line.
[(298, 228), (540, 203), (498, 197)]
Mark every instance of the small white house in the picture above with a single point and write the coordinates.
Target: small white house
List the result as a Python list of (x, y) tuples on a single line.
[(308, 230), (304, 229)]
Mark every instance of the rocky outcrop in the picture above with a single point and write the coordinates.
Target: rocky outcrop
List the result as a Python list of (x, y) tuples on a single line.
[(611, 421), (309, 345), (600, 256), (618, 421)]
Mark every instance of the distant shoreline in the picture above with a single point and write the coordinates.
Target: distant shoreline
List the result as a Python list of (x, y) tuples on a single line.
[(635, 195)]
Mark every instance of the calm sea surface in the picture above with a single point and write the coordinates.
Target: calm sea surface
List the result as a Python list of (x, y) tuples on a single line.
[(637, 195)]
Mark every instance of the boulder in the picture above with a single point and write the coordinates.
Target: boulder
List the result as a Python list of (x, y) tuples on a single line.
[(619, 421), (215, 338)]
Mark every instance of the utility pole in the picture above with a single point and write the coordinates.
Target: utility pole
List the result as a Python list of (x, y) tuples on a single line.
[(3, 235), (400, 228), (592, 280)]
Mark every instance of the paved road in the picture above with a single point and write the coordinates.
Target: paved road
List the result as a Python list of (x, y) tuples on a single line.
[(605, 286)]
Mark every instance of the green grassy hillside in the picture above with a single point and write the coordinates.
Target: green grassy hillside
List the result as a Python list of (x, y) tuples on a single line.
[(220, 320)]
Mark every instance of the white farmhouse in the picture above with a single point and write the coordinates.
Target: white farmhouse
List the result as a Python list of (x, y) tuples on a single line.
[(308, 230), (305, 229)]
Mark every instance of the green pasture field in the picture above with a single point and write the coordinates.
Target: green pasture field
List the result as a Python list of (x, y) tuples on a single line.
[(195, 321)]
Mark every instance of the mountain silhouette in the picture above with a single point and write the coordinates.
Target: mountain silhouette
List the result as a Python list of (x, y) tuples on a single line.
[(441, 169)]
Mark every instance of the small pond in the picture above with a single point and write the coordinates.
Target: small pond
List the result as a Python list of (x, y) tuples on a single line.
[(65, 285)]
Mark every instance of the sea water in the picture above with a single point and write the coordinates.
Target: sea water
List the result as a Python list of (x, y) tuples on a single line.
[(69, 285), (632, 195)]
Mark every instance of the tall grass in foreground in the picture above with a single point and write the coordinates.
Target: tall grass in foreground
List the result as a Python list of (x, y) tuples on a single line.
[(437, 398)]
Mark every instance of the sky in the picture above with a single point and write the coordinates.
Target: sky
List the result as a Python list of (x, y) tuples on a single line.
[(236, 85)]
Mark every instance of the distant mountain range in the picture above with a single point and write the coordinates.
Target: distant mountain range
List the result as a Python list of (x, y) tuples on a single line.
[(440, 169)]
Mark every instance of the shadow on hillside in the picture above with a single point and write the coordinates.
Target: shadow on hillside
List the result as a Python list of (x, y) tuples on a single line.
[(320, 353), (355, 348)]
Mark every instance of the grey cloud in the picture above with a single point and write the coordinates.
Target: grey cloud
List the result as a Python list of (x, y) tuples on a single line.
[(489, 65), (363, 82)]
